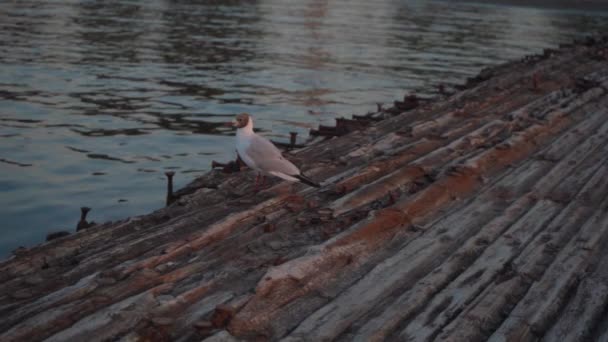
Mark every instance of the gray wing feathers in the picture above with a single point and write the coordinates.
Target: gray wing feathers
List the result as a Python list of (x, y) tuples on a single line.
[(267, 157)]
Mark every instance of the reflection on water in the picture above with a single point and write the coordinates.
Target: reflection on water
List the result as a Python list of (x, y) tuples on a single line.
[(98, 98)]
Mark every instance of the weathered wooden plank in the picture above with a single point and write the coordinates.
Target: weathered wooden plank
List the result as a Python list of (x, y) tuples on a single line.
[(378, 328), (510, 105), (213, 233), (430, 162), (58, 319), (65, 295), (371, 192), (182, 327), (414, 260), (467, 285), (412, 300), (122, 317), (486, 312), (363, 298), (584, 310), (542, 303), (378, 168)]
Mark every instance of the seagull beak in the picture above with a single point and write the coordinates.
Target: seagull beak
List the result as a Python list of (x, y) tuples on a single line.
[(230, 124)]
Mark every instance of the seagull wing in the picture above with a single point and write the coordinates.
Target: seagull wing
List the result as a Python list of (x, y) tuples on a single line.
[(268, 158)]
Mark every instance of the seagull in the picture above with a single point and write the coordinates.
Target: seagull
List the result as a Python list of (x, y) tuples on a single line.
[(261, 155)]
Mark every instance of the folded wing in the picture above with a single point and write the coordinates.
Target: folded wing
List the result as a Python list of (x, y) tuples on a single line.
[(268, 158)]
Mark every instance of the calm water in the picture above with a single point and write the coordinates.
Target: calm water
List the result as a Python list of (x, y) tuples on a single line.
[(99, 98)]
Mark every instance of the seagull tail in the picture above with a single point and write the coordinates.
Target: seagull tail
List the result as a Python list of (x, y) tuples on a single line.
[(307, 180)]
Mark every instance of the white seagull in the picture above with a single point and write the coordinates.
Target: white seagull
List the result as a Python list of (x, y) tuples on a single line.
[(261, 155)]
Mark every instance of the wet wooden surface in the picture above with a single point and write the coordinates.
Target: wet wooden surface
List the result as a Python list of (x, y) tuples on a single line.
[(482, 215)]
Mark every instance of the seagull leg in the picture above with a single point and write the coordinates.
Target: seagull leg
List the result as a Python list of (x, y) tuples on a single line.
[(260, 180), (263, 180), (257, 183)]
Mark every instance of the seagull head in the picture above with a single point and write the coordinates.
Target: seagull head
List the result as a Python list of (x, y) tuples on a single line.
[(242, 120)]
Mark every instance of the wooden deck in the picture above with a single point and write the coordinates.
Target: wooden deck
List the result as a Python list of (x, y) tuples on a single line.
[(480, 215)]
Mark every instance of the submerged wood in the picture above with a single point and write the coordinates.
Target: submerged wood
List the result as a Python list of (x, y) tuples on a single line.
[(478, 215)]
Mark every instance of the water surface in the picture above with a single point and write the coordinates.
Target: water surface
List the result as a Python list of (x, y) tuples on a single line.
[(99, 98)]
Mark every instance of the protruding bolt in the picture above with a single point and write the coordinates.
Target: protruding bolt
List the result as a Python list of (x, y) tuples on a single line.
[(292, 140), (83, 224), (441, 89), (535, 81), (170, 197)]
